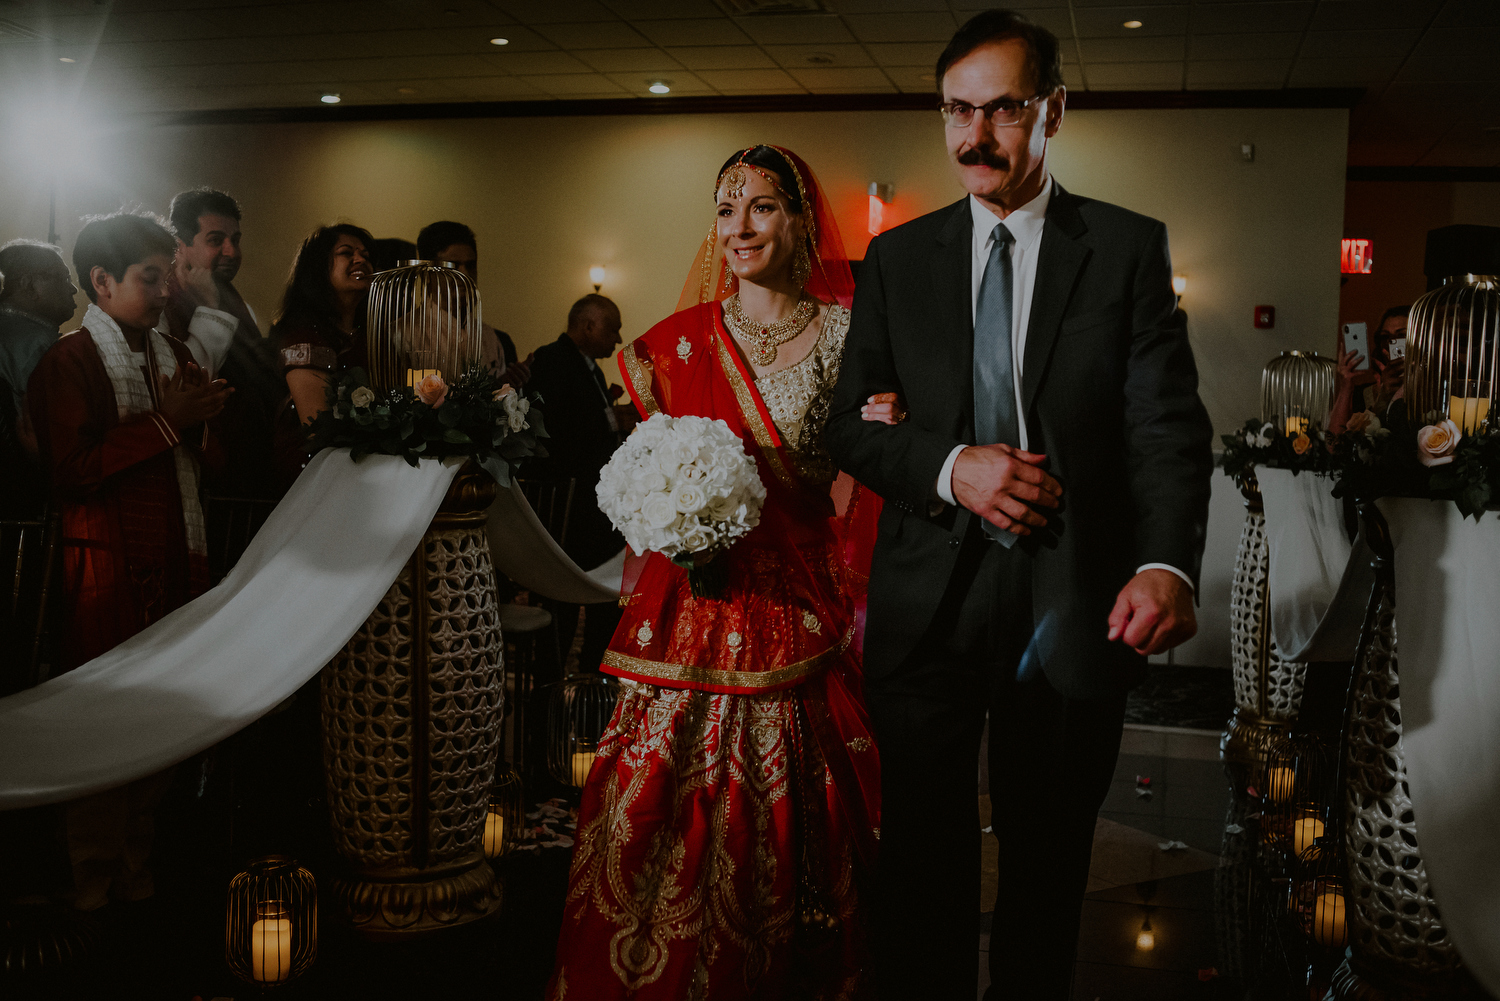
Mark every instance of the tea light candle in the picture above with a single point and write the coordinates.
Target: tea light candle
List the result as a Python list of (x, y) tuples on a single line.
[(1279, 784), (1304, 832), (583, 763), (1295, 426), (271, 947), (494, 834), (414, 376), (1329, 928), (1468, 412)]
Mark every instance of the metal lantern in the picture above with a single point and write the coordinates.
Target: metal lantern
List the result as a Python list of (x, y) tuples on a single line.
[(271, 924), (1454, 353), (1296, 391), (1317, 895), (424, 319), (578, 711), (1296, 790), (507, 812)]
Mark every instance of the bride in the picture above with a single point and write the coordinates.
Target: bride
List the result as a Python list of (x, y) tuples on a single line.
[(729, 823)]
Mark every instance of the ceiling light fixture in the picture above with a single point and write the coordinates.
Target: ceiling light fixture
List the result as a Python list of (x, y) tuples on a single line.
[(499, 41), (659, 87), (821, 58), (66, 59), (1132, 24), (329, 99)]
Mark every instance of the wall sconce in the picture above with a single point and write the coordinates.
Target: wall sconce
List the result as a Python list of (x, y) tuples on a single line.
[(1179, 284), (881, 195), (596, 276), (1145, 939), (271, 924)]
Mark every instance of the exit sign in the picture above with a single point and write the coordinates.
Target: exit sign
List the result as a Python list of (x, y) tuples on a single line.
[(1357, 257)]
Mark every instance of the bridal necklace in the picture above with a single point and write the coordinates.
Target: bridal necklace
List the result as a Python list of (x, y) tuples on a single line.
[(765, 338)]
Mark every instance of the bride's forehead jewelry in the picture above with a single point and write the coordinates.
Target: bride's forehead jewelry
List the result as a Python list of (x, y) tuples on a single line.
[(733, 179)]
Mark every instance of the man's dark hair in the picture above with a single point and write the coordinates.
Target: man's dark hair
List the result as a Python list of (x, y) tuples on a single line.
[(440, 236), (1044, 53), (189, 206), (390, 251), (23, 259), (115, 242), (772, 159), (310, 299), (591, 301)]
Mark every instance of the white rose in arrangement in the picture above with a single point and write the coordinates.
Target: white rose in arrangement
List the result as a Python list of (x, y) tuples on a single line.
[(683, 487)]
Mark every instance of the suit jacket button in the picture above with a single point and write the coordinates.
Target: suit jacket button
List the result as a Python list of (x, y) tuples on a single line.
[(953, 542)]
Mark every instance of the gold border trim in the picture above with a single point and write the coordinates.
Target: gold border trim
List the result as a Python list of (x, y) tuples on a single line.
[(690, 674), (750, 411), (640, 380)]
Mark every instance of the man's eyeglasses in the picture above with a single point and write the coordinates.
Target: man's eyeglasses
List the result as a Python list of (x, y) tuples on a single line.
[(1001, 111)]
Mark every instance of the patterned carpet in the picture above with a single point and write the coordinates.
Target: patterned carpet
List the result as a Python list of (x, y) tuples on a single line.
[(1194, 698)]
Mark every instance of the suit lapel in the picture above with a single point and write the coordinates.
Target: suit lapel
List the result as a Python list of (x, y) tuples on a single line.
[(952, 278), (1060, 261)]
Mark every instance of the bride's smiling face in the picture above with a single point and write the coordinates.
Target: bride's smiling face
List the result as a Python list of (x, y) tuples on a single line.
[(757, 229)]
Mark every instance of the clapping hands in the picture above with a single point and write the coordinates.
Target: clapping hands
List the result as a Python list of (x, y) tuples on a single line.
[(190, 397)]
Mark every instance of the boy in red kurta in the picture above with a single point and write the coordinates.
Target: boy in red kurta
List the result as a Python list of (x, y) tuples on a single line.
[(118, 411)]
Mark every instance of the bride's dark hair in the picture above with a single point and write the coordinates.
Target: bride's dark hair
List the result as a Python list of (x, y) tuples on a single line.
[(768, 158)]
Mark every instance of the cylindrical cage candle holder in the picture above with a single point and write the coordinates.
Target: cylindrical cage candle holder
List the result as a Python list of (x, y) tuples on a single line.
[(507, 812), (578, 710), (1296, 391), (271, 922), (423, 319), (1317, 899), (1454, 353), (1298, 788)]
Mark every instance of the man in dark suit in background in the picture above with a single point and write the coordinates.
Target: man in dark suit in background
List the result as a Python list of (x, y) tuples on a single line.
[(1046, 498), (585, 428)]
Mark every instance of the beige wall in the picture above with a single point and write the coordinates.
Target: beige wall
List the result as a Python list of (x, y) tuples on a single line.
[(550, 197)]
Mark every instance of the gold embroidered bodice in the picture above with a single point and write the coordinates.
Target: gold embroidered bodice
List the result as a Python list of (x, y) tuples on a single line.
[(798, 398)]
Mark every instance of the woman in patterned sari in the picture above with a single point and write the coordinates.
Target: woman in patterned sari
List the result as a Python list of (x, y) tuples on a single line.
[(732, 812)]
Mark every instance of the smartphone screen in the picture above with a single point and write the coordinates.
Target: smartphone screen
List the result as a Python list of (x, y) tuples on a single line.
[(1356, 338), (1398, 348)]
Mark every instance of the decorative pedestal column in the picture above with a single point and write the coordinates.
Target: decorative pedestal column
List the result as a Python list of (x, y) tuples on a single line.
[(411, 727), (1267, 689)]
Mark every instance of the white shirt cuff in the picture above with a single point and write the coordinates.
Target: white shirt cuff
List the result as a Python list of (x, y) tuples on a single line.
[(1163, 566), (612, 419), (210, 332), (945, 477)]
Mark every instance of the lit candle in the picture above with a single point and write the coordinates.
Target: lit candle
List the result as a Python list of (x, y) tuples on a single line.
[(583, 762), (1468, 412), (1304, 832), (1279, 784), (494, 834), (414, 376), (1328, 920), (271, 946), (1295, 426)]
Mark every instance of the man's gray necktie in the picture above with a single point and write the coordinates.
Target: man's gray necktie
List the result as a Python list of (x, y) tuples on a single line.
[(994, 365)]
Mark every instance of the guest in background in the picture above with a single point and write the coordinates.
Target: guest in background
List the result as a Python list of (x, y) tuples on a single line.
[(320, 333), (207, 313), (390, 251), (1378, 386), (454, 243), (585, 428), (36, 298)]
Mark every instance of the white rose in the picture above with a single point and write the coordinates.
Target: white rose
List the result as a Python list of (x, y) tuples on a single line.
[(689, 498), (659, 511)]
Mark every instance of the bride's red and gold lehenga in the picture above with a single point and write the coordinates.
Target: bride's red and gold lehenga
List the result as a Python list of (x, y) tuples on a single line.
[(732, 812)]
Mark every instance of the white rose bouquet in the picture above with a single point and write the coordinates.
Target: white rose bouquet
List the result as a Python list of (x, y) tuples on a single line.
[(683, 487)]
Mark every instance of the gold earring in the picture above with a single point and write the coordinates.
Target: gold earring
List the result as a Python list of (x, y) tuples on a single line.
[(728, 275), (802, 266)]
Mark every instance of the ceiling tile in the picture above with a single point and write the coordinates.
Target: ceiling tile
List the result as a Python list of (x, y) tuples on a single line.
[(1109, 22), (1358, 44), (640, 10), (809, 29), (1216, 18), (593, 35), (1455, 54), (1072, 76), (801, 56), (1054, 19), (1278, 45), (494, 87), (1164, 48), (702, 31), (681, 82), (1349, 15), (627, 60), (1134, 76), (723, 57), (929, 27), (1342, 72), (915, 80), (1469, 14), (1116, 3), (533, 63), (752, 81), (884, 6), (833, 81), (907, 54), (1238, 73), (422, 91), (554, 11), (574, 84)]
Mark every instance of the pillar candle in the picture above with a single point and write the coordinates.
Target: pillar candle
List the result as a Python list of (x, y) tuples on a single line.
[(1468, 412), (271, 950), (1295, 426), (1329, 928), (583, 762), (1305, 831), (494, 834), (1279, 784)]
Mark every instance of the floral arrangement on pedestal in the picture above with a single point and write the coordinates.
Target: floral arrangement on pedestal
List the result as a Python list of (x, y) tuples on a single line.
[(1262, 443), (474, 416), (1436, 460)]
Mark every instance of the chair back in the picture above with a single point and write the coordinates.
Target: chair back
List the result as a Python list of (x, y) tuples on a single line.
[(552, 500), (231, 522), (29, 573)]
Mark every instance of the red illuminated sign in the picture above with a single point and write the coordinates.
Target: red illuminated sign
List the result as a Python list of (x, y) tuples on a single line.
[(1357, 257)]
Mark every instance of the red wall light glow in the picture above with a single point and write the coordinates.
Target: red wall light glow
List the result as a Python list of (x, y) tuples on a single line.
[(1357, 257), (877, 215)]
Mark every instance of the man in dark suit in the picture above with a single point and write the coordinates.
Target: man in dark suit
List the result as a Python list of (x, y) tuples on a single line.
[(584, 428), (1050, 390)]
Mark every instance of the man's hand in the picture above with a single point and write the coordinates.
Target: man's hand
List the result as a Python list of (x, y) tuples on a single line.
[(1001, 483), (198, 284), (1153, 613), (519, 373), (190, 397)]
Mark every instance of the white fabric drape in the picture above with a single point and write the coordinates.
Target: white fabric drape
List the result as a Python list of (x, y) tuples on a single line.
[(524, 552), (1319, 583), (1448, 649), (313, 573)]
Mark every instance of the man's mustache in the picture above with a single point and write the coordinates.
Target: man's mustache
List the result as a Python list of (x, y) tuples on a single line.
[(977, 156)]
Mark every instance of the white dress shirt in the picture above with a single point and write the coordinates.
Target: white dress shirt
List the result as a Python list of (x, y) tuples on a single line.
[(1025, 225)]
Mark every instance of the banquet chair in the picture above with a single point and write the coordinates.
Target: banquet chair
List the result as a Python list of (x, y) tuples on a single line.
[(232, 522), (28, 567)]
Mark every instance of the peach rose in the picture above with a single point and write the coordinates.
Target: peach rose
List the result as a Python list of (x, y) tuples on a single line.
[(432, 390), (1359, 423), (502, 392), (1301, 443), (1436, 443)]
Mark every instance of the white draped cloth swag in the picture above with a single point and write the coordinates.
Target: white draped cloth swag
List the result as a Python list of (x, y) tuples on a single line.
[(1448, 648), (1319, 582)]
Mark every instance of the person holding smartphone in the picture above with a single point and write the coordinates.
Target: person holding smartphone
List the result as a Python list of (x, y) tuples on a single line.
[(1375, 384)]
